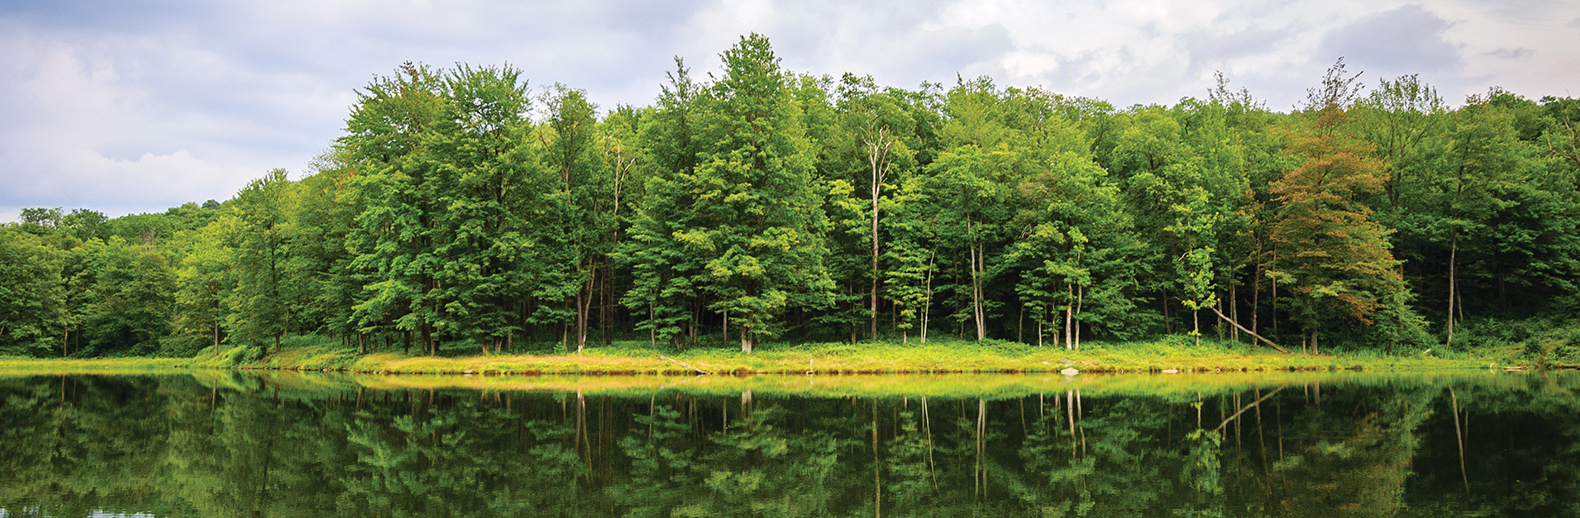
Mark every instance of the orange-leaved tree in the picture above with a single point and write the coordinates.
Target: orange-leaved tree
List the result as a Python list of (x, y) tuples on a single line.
[(1335, 259)]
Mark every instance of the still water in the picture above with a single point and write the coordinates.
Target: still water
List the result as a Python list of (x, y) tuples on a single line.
[(213, 443)]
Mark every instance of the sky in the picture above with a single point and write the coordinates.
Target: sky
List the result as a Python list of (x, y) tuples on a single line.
[(136, 106)]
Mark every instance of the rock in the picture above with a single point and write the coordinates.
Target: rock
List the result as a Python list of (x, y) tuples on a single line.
[(1069, 372), (1171, 371)]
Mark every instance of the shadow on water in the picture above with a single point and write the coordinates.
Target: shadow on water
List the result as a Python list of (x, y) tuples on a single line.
[(228, 443)]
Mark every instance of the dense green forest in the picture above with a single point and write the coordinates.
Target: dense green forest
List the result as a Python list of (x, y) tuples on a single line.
[(464, 211)]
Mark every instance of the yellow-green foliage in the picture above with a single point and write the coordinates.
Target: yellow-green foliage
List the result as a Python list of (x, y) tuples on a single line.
[(37, 366), (952, 356)]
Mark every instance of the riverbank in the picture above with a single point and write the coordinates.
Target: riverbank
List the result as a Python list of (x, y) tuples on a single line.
[(950, 357), (28, 366)]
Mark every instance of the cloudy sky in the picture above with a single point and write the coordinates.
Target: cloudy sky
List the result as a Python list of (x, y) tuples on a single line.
[(135, 106)]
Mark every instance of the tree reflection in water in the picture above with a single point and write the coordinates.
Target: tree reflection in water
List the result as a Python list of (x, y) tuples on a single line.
[(172, 445)]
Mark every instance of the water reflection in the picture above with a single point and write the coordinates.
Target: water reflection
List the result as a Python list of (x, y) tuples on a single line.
[(233, 444)]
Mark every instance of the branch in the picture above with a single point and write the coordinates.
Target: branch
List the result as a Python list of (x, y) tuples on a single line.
[(1247, 407), (1247, 331), (682, 364)]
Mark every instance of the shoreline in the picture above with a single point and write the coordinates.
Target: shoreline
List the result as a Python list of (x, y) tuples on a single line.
[(817, 360)]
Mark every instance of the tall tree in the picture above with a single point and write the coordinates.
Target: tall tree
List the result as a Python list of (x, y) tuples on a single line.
[(1331, 254), (261, 307), (394, 236), (759, 229), (32, 294)]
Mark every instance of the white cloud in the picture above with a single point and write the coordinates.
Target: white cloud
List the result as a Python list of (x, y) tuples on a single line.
[(137, 106)]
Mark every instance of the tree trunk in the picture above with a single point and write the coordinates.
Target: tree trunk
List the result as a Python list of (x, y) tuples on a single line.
[(427, 340), (1256, 299), (1168, 326), (927, 295), (1069, 315), (977, 269), (1080, 298), (1020, 324), (1234, 314), (584, 298), (1195, 319), (1459, 437), (877, 157), (746, 340), (1275, 298), (1453, 252), (1252, 333)]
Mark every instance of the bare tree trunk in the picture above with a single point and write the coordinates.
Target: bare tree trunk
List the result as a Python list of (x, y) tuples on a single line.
[(1234, 315), (1453, 253), (1256, 299), (1069, 315), (977, 270), (1275, 298), (1253, 334), (927, 295), (1168, 325), (877, 483), (1459, 436), (1080, 298), (584, 306)]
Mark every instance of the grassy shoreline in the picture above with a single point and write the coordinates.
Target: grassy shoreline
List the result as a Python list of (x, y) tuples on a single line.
[(954, 357)]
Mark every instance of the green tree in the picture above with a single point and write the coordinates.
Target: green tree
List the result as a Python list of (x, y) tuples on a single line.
[(663, 288), (394, 238), (261, 307), (483, 182), (759, 226), (32, 294)]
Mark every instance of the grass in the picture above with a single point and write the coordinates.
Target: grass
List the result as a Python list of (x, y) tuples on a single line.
[(1182, 387), (940, 357), (945, 369), (1175, 354), (33, 366)]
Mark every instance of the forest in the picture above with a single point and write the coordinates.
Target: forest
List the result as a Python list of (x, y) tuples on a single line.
[(467, 211)]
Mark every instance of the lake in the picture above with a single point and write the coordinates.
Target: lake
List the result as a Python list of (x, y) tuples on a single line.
[(224, 443)]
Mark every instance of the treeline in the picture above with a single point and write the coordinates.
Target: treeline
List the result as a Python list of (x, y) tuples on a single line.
[(464, 210)]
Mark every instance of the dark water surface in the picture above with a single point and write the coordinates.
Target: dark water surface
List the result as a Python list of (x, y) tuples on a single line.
[(239, 444)]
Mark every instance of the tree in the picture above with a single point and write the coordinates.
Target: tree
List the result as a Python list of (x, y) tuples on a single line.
[(872, 127), (484, 180), (574, 243), (261, 307), (1332, 255), (205, 281), (759, 228), (970, 187), (32, 294), (394, 236), (663, 286), (124, 297)]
